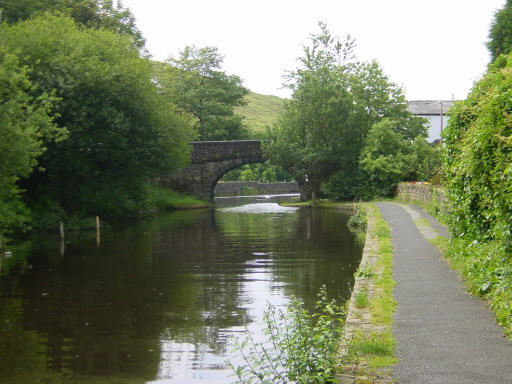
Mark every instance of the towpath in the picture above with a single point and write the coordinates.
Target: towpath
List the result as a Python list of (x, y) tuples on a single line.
[(444, 335)]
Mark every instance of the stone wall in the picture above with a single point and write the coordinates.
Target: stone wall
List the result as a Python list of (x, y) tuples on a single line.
[(209, 161), (422, 192), (214, 151), (237, 188)]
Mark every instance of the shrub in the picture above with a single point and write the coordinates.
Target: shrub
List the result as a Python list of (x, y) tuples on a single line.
[(301, 347)]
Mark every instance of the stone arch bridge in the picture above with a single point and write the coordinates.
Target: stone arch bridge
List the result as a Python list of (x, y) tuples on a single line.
[(209, 161)]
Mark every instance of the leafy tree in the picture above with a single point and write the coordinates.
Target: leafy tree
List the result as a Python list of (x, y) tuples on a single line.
[(316, 129), (376, 97), (383, 161), (90, 13), (424, 160), (335, 103), (24, 125), (121, 130), (500, 34), (264, 173), (196, 83)]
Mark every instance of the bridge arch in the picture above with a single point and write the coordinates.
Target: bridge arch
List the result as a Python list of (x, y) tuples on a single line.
[(209, 161)]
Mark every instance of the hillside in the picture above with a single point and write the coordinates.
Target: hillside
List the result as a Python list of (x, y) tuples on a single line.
[(260, 111)]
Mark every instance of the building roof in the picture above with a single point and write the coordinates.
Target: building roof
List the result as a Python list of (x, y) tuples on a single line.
[(429, 107)]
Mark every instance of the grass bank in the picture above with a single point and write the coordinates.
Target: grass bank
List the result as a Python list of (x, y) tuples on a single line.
[(369, 345), (164, 199)]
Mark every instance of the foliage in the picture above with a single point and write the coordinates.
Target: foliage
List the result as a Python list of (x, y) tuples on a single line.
[(25, 123), (382, 161), (487, 270), (423, 161), (500, 34), (196, 83), (264, 173), (478, 159), (324, 128), (160, 198), (478, 185), (314, 135), (377, 348), (365, 273), (301, 347), (121, 130), (89, 13), (360, 218), (362, 300), (260, 112)]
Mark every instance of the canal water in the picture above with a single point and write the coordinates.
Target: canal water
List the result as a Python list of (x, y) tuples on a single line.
[(161, 300)]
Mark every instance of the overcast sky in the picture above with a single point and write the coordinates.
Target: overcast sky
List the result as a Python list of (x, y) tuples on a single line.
[(434, 49)]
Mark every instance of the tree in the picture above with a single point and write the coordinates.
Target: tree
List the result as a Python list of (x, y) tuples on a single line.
[(377, 97), (335, 103), (196, 83), (122, 132), (382, 161), (500, 34), (89, 13), (25, 123), (315, 132)]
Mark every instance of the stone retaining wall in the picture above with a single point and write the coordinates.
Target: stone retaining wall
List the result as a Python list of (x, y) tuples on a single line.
[(237, 188), (422, 192)]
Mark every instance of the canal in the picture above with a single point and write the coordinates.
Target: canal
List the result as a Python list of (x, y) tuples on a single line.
[(160, 300)]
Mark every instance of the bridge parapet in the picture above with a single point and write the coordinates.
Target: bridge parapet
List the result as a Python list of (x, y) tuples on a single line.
[(211, 151)]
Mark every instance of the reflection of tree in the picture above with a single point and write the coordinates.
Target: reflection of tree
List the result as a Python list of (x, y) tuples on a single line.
[(309, 248), (96, 314), (103, 311)]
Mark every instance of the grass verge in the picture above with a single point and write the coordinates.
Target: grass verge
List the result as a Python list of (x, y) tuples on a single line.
[(371, 348), (162, 199)]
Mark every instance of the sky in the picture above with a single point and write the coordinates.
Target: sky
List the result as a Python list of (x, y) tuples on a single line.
[(434, 49)]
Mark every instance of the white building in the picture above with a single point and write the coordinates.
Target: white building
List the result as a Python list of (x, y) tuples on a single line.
[(435, 112)]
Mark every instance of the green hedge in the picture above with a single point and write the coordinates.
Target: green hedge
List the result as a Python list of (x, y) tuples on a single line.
[(478, 183), (478, 162)]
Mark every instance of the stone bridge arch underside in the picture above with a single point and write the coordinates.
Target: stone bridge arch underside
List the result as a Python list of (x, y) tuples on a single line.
[(209, 161)]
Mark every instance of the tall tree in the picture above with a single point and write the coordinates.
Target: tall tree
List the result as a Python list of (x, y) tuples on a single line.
[(335, 103), (196, 83), (316, 132), (500, 34), (121, 131)]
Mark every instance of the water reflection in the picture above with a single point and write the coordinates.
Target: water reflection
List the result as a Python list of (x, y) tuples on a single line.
[(159, 300)]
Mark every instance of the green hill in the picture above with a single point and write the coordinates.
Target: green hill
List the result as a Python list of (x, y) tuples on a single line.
[(260, 111)]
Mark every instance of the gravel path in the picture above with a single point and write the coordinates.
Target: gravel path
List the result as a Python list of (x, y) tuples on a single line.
[(444, 335)]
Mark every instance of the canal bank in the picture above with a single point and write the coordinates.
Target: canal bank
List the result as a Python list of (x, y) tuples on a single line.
[(367, 348)]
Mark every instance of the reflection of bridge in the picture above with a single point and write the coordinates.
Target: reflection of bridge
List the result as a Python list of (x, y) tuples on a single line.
[(209, 161)]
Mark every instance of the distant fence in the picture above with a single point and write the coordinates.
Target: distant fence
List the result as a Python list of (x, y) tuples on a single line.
[(237, 188), (422, 192)]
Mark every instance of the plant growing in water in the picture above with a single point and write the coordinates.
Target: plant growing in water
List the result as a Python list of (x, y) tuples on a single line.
[(358, 220), (300, 348)]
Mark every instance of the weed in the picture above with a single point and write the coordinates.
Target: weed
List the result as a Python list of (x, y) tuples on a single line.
[(362, 300), (365, 273), (359, 219), (300, 348)]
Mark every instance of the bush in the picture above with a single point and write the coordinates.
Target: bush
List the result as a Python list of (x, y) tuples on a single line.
[(301, 347)]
